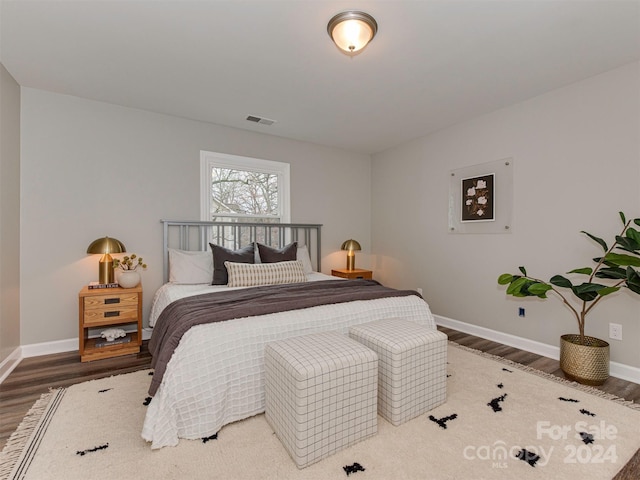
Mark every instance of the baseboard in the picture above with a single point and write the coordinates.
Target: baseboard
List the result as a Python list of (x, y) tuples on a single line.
[(9, 363), (146, 333), (61, 346), (618, 370), (47, 348), (35, 350), (625, 372), (500, 337)]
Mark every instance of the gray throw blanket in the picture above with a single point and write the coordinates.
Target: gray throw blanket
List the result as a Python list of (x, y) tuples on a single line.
[(181, 315)]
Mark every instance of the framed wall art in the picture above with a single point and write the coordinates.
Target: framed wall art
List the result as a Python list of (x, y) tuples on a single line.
[(478, 199), (481, 198)]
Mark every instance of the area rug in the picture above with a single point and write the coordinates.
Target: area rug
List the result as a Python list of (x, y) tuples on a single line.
[(501, 421)]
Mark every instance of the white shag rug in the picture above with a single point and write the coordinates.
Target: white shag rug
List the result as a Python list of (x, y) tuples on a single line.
[(500, 421)]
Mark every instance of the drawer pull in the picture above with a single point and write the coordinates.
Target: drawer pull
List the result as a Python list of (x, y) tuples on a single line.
[(115, 313), (111, 300)]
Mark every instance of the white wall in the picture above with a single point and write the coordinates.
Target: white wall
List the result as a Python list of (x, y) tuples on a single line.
[(9, 215), (91, 169), (577, 163)]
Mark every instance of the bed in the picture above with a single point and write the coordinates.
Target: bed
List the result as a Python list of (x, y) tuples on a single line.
[(213, 374)]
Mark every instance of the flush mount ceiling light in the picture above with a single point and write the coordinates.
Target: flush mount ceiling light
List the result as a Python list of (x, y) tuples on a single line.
[(351, 31)]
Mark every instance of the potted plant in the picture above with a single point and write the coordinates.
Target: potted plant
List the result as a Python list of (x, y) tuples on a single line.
[(129, 276), (583, 358)]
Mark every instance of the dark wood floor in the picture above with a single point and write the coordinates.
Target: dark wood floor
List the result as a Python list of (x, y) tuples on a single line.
[(614, 386), (35, 376)]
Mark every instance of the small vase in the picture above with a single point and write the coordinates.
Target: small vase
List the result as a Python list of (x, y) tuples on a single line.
[(128, 279)]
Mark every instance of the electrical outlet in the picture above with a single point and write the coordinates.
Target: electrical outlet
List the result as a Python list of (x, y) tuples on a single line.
[(615, 331), (521, 311)]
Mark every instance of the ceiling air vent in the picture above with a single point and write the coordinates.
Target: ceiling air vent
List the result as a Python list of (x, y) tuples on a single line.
[(263, 121)]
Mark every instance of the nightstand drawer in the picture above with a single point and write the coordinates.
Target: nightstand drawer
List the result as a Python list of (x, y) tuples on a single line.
[(112, 314), (111, 302)]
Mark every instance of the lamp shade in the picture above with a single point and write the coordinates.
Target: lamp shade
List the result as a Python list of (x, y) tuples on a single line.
[(106, 246), (351, 31), (350, 245)]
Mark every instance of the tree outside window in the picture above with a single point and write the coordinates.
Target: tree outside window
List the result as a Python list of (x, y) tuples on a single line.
[(242, 189), (243, 194)]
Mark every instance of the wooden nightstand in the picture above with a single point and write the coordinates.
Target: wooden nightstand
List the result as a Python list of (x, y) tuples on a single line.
[(105, 308), (356, 273)]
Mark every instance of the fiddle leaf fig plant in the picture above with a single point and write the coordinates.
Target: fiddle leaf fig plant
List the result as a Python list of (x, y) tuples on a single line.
[(617, 269)]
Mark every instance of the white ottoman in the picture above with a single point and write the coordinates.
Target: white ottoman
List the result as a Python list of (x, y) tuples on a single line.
[(412, 366), (320, 394)]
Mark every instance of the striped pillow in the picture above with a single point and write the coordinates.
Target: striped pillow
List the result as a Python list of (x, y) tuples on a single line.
[(253, 274)]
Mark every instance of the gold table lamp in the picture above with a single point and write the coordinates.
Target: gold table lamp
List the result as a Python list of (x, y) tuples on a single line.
[(351, 246), (106, 246)]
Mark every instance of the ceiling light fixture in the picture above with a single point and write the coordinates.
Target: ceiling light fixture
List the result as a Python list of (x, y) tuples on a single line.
[(351, 31)]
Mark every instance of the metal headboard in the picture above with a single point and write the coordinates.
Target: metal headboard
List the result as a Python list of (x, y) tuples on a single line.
[(196, 236)]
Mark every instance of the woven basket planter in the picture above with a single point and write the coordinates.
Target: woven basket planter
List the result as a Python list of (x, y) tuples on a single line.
[(587, 364)]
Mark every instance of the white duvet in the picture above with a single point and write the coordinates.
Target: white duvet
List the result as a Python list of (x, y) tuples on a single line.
[(216, 374), (170, 292)]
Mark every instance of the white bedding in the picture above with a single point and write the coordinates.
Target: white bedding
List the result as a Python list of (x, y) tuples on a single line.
[(216, 374), (170, 292)]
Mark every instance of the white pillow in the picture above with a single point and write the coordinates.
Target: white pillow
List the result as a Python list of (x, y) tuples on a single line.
[(253, 274), (303, 256), (190, 267)]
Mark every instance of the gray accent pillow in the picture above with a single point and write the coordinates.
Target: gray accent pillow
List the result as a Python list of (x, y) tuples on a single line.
[(222, 254), (288, 253)]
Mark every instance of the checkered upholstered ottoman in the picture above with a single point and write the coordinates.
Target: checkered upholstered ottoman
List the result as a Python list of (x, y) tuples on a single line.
[(321, 394), (412, 366)]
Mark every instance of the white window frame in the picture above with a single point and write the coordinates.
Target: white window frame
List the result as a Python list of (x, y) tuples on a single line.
[(209, 160)]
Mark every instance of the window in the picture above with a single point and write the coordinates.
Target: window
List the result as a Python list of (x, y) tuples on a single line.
[(243, 189)]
